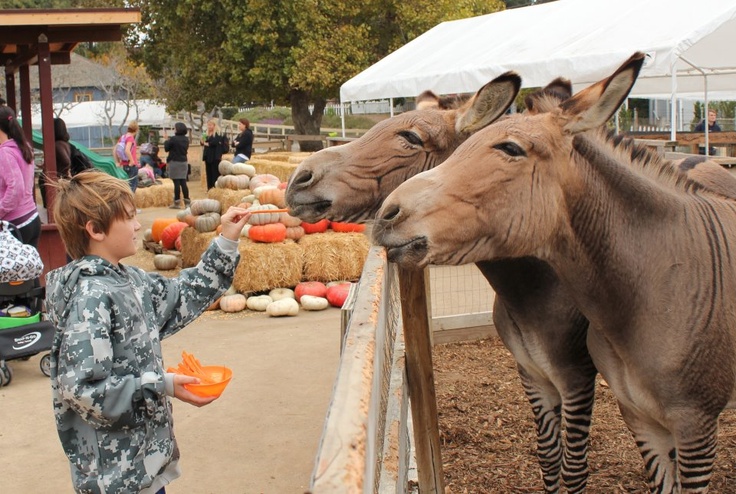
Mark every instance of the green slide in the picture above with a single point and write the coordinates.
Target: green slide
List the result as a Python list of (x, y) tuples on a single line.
[(102, 163)]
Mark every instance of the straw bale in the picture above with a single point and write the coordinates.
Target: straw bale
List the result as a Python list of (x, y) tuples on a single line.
[(262, 266), (155, 195), (265, 266), (299, 157), (227, 197), (280, 169), (193, 245), (332, 256), (285, 156)]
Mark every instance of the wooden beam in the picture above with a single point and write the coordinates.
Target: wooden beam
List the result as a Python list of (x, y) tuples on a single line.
[(27, 35), (72, 17), (420, 379)]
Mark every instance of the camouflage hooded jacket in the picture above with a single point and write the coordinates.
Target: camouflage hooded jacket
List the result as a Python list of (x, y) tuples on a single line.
[(107, 373)]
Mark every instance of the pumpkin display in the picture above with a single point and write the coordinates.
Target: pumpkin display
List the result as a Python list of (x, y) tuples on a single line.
[(294, 233), (279, 293), (232, 182), (283, 307), (232, 303), (243, 169), (318, 227), (289, 220), (263, 179), (347, 227), (202, 206), (225, 167), (171, 233), (158, 227), (259, 302), (183, 213), (269, 194), (314, 288), (207, 222), (310, 302), (165, 262), (263, 218), (270, 232), (337, 294)]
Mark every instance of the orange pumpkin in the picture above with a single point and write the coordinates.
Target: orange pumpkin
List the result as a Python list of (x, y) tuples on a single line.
[(273, 196), (294, 232), (347, 227), (319, 227), (171, 233), (158, 227), (270, 232)]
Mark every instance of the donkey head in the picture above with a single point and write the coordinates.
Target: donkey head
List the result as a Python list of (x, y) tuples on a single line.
[(349, 182), (501, 193)]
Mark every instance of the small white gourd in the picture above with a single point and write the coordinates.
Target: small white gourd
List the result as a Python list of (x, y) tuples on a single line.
[(283, 307), (310, 302), (281, 293), (258, 302)]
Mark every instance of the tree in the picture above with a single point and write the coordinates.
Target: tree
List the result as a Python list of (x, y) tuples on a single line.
[(235, 51)]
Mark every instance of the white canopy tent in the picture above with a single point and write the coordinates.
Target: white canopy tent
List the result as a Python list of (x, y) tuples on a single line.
[(112, 113), (583, 40)]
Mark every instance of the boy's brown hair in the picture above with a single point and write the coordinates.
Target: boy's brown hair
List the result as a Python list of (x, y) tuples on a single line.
[(89, 197)]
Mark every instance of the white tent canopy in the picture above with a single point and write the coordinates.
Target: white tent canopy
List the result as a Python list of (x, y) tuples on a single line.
[(583, 40), (103, 113)]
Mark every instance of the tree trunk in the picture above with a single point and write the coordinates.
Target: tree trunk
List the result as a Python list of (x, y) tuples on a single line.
[(306, 122)]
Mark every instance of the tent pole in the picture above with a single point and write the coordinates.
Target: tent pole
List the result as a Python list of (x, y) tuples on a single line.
[(342, 117), (673, 104), (391, 106), (705, 89)]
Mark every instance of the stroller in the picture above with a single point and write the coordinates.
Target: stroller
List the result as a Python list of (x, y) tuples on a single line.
[(23, 337)]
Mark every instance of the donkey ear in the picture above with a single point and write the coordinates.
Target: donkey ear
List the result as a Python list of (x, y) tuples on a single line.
[(427, 100), (594, 105), (489, 103)]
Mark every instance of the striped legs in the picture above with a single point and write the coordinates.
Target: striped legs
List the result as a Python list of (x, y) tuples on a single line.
[(681, 463), (561, 455)]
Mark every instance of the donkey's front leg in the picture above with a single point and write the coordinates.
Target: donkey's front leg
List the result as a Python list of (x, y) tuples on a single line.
[(546, 405)]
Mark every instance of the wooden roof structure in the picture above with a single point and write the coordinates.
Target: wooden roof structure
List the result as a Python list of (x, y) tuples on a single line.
[(46, 37), (42, 38)]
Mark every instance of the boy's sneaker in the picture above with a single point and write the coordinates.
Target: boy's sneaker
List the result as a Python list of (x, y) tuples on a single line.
[(175, 205)]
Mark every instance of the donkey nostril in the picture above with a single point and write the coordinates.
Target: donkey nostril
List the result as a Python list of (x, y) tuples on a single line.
[(391, 213), (303, 178)]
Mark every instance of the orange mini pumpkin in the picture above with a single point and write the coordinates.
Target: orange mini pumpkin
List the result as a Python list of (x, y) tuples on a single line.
[(171, 233), (270, 232), (158, 227)]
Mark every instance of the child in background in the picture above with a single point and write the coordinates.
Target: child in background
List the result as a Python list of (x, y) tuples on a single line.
[(110, 392)]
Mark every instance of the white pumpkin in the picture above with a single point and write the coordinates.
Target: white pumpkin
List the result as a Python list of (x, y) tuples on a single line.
[(259, 302), (281, 293), (165, 262), (243, 169), (310, 302), (283, 307)]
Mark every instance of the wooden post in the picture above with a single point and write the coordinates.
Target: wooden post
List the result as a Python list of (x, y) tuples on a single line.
[(10, 90), (420, 379), (47, 120)]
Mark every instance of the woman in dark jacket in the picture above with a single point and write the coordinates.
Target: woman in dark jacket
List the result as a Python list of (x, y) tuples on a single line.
[(243, 143), (177, 163), (214, 144)]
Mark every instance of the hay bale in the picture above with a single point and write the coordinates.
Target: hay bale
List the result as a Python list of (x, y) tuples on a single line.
[(285, 156), (193, 245), (227, 197), (334, 256), (268, 266), (262, 266), (280, 169), (156, 195)]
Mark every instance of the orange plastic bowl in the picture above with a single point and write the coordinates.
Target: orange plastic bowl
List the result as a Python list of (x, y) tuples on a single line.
[(221, 376)]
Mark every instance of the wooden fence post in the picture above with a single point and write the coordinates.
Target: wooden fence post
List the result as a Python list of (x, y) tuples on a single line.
[(420, 380)]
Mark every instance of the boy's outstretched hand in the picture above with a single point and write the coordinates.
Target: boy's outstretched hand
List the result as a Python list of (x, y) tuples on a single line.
[(183, 394), (233, 222)]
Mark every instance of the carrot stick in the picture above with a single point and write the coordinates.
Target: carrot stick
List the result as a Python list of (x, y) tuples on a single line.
[(260, 211)]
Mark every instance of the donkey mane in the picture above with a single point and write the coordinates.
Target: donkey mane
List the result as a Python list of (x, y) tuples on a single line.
[(644, 161)]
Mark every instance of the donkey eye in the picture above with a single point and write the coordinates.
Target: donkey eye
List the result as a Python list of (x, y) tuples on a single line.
[(510, 148), (411, 137)]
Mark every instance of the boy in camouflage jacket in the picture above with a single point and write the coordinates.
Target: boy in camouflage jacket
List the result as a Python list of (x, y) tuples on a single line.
[(110, 390)]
